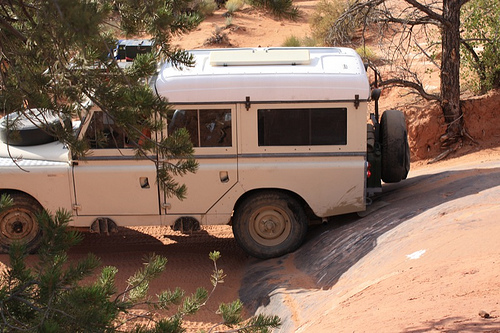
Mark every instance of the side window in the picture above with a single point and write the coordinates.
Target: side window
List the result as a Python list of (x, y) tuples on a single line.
[(302, 127), (207, 127), (103, 133)]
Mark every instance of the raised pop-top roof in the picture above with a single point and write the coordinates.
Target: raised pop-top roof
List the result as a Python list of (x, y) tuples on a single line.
[(266, 75)]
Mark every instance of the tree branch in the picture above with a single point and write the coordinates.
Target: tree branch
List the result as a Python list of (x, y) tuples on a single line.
[(421, 21), (409, 84), (426, 9), (12, 30)]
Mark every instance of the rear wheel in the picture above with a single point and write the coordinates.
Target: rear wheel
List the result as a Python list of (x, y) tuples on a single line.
[(395, 148), (19, 223), (269, 224)]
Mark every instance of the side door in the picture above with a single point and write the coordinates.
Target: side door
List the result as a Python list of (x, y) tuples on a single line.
[(112, 181), (213, 133)]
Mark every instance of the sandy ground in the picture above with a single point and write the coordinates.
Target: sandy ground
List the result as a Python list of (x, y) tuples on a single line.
[(427, 259)]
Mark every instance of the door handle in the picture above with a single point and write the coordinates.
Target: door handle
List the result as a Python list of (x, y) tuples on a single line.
[(144, 182), (224, 176)]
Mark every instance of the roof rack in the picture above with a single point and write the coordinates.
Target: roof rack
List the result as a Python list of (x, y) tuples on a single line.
[(259, 57)]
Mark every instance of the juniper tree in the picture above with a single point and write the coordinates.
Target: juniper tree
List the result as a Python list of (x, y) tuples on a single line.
[(56, 55), (428, 28)]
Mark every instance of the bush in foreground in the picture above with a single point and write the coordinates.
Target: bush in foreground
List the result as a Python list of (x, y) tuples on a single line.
[(49, 297)]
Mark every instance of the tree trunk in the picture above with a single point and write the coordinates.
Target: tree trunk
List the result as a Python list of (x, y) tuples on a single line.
[(450, 69)]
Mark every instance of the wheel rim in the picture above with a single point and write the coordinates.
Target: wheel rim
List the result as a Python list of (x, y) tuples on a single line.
[(18, 224), (270, 226)]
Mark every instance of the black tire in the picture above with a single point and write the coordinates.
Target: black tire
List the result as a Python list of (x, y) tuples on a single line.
[(37, 131), (395, 148), (407, 158), (269, 224), (19, 223)]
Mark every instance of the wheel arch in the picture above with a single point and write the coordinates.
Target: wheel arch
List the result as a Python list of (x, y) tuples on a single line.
[(9, 191), (307, 209)]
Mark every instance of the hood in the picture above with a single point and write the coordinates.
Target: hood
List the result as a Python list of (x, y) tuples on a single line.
[(53, 151)]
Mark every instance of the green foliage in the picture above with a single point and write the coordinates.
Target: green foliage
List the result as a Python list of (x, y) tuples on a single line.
[(55, 57), (206, 7), (231, 313), (292, 41), (234, 5), (324, 17), (327, 27), (5, 202), (309, 41), (50, 296), (262, 323), (282, 9), (218, 37), (228, 21), (367, 54), (481, 43)]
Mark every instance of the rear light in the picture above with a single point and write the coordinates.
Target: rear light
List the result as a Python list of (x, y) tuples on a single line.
[(368, 171)]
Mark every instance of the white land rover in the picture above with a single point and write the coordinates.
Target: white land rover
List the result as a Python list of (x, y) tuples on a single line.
[(281, 136)]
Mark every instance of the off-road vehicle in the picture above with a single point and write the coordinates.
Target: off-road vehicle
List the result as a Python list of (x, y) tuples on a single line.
[(283, 137)]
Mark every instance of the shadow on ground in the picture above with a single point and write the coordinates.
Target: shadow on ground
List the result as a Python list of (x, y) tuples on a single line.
[(456, 325)]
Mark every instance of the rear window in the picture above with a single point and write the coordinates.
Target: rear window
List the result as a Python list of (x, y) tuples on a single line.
[(302, 127)]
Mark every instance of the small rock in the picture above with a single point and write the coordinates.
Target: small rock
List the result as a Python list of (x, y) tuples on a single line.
[(484, 314)]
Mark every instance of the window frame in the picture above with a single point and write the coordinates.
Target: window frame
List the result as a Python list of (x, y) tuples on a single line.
[(307, 113), (199, 152)]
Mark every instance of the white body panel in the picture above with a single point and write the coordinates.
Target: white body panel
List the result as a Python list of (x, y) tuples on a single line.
[(47, 181)]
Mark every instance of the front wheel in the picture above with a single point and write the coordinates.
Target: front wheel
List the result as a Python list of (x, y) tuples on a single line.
[(269, 224), (19, 223)]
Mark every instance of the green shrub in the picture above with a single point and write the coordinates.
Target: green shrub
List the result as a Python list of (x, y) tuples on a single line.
[(228, 21), (234, 5), (325, 26), (49, 297), (367, 54), (206, 7), (218, 37), (480, 51), (279, 8), (292, 41), (309, 41)]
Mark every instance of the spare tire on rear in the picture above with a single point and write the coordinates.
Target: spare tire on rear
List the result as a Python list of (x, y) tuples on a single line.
[(395, 148), (29, 128)]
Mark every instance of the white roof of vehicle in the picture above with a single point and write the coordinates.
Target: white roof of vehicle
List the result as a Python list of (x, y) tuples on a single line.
[(266, 75)]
